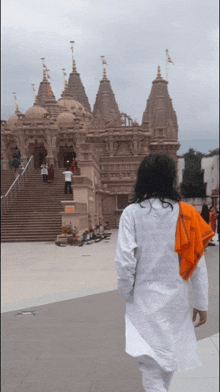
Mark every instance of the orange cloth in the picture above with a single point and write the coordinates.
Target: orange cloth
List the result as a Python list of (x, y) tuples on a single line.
[(192, 236)]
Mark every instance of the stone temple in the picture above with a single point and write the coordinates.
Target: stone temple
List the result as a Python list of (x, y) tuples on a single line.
[(107, 144)]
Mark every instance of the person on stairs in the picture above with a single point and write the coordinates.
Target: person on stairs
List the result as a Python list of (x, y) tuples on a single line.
[(44, 171), (68, 174), (50, 173)]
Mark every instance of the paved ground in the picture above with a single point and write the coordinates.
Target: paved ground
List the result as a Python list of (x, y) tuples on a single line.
[(74, 340)]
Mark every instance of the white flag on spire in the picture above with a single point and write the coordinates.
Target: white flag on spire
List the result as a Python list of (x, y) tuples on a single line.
[(168, 58), (103, 60)]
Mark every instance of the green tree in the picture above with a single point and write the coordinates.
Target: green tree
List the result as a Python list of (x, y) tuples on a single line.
[(212, 152), (193, 185)]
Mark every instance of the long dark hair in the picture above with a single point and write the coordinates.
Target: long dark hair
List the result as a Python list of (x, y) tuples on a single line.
[(155, 179), (205, 213)]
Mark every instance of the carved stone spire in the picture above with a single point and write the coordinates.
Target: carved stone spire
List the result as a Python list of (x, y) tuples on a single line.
[(77, 89), (105, 105), (44, 92), (159, 112)]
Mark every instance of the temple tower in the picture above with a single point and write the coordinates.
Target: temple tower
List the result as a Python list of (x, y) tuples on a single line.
[(76, 88), (45, 93), (161, 119), (105, 105)]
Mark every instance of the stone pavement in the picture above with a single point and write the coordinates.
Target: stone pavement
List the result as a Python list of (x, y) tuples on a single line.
[(73, 341)]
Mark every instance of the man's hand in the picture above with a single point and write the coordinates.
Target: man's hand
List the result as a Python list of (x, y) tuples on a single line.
[(202, 315)]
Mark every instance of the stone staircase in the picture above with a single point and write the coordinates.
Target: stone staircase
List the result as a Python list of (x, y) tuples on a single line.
[(35, 213), (7, 178)]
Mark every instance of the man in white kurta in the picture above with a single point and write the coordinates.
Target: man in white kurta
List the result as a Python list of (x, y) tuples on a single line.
[(158, 319)]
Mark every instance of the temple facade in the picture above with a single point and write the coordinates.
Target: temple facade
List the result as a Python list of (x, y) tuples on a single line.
[(107, 144)]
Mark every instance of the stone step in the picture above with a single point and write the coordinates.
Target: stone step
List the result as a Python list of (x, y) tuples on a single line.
[(35, 213)]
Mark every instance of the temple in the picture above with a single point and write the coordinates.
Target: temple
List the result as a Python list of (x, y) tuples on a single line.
[(107, 144)]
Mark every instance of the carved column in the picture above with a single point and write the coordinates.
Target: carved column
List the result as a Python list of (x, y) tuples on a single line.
[(135, 144), (111, 145), (49, 147), (21, 145)]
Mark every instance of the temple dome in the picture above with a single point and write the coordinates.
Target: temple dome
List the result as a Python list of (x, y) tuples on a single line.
[(36, 112), (12, 120), (72, 106), (65, 118)]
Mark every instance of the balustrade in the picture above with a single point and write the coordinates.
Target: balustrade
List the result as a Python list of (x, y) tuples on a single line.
[(16, 186)]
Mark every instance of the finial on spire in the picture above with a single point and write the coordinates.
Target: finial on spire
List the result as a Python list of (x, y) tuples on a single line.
[(104, 62), (158, 72), (16, 103), (44, 68), (74, 66), (64, 79), (73, 61), (104, 74), (47, 74), (33, 88)]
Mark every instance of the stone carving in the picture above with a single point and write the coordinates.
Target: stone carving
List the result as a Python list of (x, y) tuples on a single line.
[(123, 148)]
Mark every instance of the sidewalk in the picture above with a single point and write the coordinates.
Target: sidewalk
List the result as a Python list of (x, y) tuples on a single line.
[(74, 340)]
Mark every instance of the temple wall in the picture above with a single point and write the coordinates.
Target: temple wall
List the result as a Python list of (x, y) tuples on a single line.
[(109, 210)]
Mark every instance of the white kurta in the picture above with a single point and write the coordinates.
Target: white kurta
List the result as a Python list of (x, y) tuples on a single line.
[(158, 319)]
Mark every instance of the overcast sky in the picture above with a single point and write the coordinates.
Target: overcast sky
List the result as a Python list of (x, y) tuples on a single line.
[(133, 37)]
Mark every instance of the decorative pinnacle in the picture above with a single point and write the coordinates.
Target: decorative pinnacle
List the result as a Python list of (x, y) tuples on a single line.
[(158, 72), (47, 74), (73, 61), (34, 95), (64, 79), (16, 103), (104, 62), (104, 74), (44, 68), (74, 65)]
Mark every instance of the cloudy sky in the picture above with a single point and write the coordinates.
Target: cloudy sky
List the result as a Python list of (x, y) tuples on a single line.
[(133, 37)]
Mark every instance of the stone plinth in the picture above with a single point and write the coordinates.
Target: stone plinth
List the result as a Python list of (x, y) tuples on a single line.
[(75, 213)]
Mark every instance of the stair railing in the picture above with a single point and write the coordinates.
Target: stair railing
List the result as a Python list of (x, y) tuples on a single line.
[(16, 186)]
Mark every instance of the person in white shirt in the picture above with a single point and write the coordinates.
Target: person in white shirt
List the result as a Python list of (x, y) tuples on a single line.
[(158, 324), (68, 174), (44, 171)]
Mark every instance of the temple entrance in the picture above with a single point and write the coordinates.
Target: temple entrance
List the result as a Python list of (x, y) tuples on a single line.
[(68, 158), (122, 201), (39, 152), (65, 156)]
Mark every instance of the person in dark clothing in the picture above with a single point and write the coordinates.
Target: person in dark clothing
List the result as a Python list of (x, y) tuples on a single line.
[(205, 213), (206, 216), (50, 173)]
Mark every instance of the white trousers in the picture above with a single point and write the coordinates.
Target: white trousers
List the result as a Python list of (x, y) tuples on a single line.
[(154, 378)]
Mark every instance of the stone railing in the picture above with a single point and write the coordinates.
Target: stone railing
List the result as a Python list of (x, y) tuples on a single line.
[(17, 185)]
